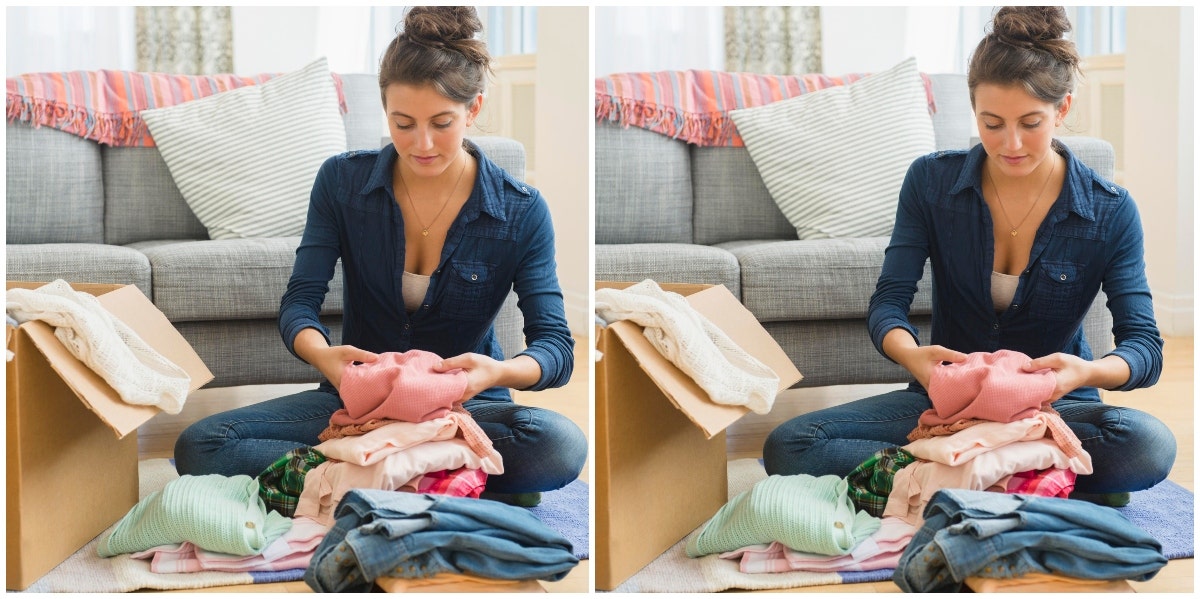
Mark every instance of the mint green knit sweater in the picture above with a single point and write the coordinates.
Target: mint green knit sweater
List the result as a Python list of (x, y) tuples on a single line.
[(806, 513), (217, 513)]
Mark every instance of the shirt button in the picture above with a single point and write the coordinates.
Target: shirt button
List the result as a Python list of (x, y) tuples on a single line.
[(527, 191), (1062, 277), (995, 326), (426, 306), (250, 525), (406, 327), (476, 277)]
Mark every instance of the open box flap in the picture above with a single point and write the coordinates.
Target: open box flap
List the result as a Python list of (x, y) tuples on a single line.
[(132, 307), (724, 310)]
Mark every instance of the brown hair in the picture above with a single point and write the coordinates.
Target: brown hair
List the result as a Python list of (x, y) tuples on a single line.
[(1026, 47), (438, 47)]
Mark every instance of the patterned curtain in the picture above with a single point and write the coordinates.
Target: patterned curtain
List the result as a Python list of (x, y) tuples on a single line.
[(773, 40), (185, 40)]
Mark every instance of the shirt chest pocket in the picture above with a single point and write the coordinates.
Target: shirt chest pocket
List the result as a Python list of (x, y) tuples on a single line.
[(1059, 291), (469, 288)]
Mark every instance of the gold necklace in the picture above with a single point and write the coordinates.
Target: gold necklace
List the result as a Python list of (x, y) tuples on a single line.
[(1013, 229), (424, 227)]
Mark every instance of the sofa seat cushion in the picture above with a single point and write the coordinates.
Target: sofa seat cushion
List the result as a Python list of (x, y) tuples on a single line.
[(816, 279), (227, 279), (78, 263), (668, 263)]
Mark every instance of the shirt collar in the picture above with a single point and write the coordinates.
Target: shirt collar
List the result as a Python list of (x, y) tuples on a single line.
[(1079, 179), (489, 181)]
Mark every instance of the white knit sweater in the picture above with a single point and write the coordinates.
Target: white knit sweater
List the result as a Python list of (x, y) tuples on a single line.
[(138, 373), (691, 342)]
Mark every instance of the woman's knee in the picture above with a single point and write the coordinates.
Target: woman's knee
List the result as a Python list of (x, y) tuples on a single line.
[(784, 448), (548, 452), (1133, 451)]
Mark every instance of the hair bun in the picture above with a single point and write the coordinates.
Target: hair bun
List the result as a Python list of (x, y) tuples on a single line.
[(1031, 23), (442, 25)]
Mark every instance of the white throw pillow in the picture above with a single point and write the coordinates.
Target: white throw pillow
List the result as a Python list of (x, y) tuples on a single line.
[(245, 159), (834, 159)]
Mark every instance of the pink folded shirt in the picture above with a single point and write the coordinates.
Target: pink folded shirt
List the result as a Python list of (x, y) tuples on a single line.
[(292, 550), (398, 386), (987, 386), (880, 550)]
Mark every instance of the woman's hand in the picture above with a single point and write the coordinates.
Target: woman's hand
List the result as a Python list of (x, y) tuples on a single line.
[(330, 360), (921, 361), (900, 346), (484, 372), (1070, 372)]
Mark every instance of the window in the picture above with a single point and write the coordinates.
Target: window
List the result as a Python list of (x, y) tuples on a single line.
[(1098, 30), (510, 29)]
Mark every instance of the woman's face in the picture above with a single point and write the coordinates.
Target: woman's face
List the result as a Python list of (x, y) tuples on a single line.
[(1015, 127), (426, 127)]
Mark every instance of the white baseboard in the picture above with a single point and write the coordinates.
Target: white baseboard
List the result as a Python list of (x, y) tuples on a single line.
[(1174, 313)]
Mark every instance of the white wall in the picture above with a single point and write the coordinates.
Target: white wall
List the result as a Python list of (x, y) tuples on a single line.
[(274, 39), (1159, 154), (564, 104), (856, 39)]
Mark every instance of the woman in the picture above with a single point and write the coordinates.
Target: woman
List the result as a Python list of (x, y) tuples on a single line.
[(1020, 236), (431, 235)]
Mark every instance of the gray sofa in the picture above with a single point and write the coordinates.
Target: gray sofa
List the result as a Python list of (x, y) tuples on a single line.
[(86, 212), (675, 212)]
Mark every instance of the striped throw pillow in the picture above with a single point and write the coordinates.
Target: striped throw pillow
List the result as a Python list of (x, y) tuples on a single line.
[(834, 159), (245, 159)]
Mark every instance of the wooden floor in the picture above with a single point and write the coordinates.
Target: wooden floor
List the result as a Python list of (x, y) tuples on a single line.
[(156, 439), (1171, 400)]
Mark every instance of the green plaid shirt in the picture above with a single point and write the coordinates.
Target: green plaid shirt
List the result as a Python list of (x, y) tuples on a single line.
[(871, 482), (281, 483)]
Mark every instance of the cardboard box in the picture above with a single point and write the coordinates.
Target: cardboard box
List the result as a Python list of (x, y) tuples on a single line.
[(660, 441), (72, 463)]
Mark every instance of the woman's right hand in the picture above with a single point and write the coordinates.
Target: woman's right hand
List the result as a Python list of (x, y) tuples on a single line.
[(331, 360), (920, 360)]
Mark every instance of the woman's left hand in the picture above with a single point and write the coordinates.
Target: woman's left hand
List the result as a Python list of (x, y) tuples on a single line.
[(483, 372), (1070, 371)]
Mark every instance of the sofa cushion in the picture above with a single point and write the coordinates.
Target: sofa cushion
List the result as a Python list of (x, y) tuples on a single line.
[(141, 200), (839, 352), (834, 159), (53, 190), (246, 159), (817, 279), (668, 263), (732, 202), (78, 263), (227, 279), (643, 187)]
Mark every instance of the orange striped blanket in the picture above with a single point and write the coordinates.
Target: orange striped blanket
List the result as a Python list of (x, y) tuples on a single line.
[(106, 105), (694, 105)]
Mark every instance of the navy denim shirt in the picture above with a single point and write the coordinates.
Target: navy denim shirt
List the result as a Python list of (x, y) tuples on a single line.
[(502, 239), (1090, 240)]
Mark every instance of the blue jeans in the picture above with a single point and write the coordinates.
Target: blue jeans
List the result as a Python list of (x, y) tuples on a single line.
[(994, 535), (542, 450), (1131, 450), (406, 535)]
